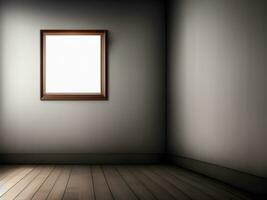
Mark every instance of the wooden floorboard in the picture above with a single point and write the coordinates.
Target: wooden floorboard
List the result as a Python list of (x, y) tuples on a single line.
[(117, 185), (33, 187), (47, 186), (101, 187), (137, 186), (153, 187), (213, 191), (80, 184), (190, 190), (174, 191), (6, 170), (14, 180), (21, 185), (213, 183), (60, 186), (110, 182), (10, 174)]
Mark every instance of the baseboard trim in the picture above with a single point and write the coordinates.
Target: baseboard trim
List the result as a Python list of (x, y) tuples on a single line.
[(244, 181), (81, 158)]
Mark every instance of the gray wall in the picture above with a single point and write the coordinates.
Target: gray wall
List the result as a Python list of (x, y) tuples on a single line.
[(131, 121), (217, 73)]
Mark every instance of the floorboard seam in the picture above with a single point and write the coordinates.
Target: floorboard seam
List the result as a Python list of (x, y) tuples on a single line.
[(17, 183), (43, 182), (67, 184), (107, 183), (26, 184), (126, 183)]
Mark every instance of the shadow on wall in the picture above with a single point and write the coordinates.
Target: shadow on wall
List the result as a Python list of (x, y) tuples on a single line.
[(175, 27)]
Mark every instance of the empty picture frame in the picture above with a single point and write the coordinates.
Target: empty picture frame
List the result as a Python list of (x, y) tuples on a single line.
[(73, 65)]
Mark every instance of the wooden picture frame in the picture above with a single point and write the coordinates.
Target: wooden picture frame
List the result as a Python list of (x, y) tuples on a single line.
[(73, 65)]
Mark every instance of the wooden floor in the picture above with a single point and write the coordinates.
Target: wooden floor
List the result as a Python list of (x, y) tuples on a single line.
[(109, 182)]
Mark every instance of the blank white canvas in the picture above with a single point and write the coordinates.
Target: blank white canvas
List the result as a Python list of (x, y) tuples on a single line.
[(73, 64)]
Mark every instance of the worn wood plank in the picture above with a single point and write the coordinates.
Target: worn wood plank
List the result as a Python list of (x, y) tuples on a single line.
[(148, 182), (118, 187), (137, 186), (101, 188), (19, 187), (80, 185), (6, 170), (59, 188), (155, 188), (202, 185), (30, 190), (174, 191), (214, 183), (10, 174), (49, 183), (14, 180), (190, 190)]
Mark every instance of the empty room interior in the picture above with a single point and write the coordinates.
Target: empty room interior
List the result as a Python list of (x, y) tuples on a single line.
[(133, 99)]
